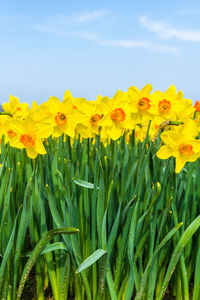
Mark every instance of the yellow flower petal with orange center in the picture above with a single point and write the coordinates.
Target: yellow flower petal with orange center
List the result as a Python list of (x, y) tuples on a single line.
[(143, 104), (60, 119), (27, 140), (118, 114), (94, 119), (164, 106), (186, 149)]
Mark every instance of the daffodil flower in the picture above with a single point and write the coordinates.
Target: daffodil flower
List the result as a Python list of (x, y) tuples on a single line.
[(26, 134), (181, 144), (15, 108), (116, 115), (89, 117), (141, 104), (64, 116)]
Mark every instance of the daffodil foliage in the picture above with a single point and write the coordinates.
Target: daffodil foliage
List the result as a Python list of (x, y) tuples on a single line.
[(170, 114)]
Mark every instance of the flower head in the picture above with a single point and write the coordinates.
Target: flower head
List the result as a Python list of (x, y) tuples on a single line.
[(64, 116), (141, 104), (116, 115), (181, 143), (26, 134), (15, 108)]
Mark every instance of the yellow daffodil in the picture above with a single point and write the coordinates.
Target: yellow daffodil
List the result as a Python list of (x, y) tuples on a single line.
[(9, 134), (64, 116), (15, 108), (109, 118), (181, 144), (165, 105), (141, 104), (87, 124), (116, 115), (29, 136), (40, 115), (184, 108)]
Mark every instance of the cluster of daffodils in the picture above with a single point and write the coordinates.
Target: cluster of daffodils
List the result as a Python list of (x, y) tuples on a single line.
[(25, 127)]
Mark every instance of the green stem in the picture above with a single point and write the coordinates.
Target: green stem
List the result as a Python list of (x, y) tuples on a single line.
[(5, 114)]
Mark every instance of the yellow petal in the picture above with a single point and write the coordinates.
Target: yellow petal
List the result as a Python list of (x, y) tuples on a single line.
[(170, 138), (106, 121), (133, 92), (180, 162), (15, 142), (190, 129), (164, 152), (195, 145), (45, 130), (115, 132), (57, 131), (70, 131), (39, 147), (31, 153), (67, 94), (145, 91)]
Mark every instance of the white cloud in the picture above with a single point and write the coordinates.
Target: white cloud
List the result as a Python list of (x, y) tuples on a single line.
[(165, 31), (89, 16), (60, 26), (138, 44), (108, 43), (76, 18), (57, 31)]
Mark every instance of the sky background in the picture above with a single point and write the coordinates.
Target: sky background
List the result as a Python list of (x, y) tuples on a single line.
[(97, 47)]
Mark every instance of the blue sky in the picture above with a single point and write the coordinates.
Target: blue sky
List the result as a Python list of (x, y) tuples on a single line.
[(97, 47)]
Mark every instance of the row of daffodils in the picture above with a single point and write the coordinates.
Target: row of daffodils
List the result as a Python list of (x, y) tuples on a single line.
[(169, 113)]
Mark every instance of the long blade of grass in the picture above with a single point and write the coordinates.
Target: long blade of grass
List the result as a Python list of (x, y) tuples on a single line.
[(8, 249), (37, 250), (187, 235), (141, 290), (91, 260), (85, 184)]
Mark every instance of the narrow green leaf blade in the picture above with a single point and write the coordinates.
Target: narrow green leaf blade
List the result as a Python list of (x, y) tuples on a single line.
[(37, 250), (50, 248), (91, 260), (187, 235), (84, 184)]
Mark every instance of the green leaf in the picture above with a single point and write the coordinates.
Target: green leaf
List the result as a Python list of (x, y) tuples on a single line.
[(113, 234), (8, 249), (50, 248), (196, 290), (85, 184), (140, 292), (187, 235), (91, 260), (37, 250)]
